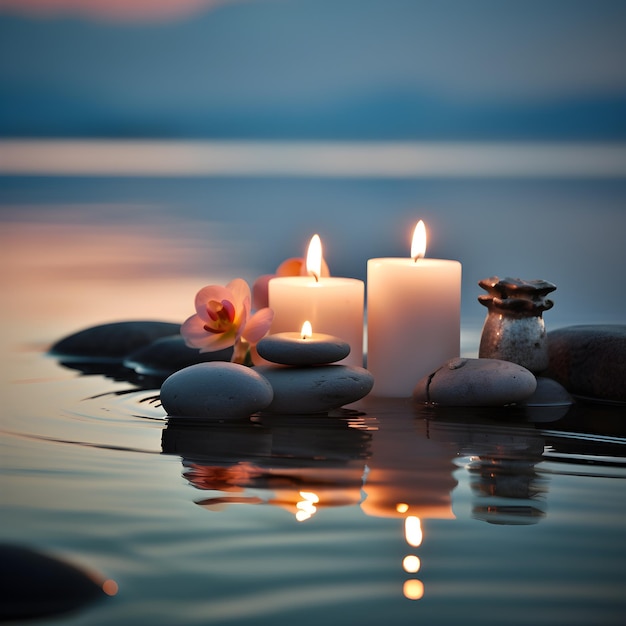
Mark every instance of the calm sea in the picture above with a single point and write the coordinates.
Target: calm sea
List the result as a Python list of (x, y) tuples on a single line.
[(520, 517)]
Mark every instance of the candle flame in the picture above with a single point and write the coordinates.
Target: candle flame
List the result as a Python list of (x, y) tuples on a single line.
[(418, 245), (307, 330), (314, 257)]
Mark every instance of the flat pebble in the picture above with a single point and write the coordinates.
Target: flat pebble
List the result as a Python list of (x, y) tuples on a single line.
[(215, 390), (37, 585), (302, 390), (112, 341), (589, 360), (549, 402), (292, 349), (476, 382), (170, 354), (549, 393)]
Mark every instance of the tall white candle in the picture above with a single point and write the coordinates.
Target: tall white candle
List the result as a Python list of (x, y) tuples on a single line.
[(413, 318), (333, 305)]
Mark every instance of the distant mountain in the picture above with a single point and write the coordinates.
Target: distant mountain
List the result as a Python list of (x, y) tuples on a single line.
[(38, 112)]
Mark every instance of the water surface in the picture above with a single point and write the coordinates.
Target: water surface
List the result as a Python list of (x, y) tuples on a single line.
[(304, 519)]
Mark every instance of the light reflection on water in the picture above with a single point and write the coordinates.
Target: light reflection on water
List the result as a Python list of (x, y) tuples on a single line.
[(218, 512), (291, 519)]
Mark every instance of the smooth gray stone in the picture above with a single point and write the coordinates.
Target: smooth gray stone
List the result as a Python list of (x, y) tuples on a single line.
[(318, 389), (215, 390), (170, 354), (112, 341), (36, 585), (291, 349), (589, 360), (476, 382), (549, 393), (549, 402)]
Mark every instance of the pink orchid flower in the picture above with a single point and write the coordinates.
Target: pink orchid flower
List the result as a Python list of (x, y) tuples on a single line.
[(223, 319)]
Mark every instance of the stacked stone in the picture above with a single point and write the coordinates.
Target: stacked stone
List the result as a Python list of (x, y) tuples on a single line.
[(305, 375), (215, 391)]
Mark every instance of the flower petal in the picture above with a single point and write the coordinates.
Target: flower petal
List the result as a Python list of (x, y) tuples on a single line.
[(241, 299), (193, 331), (258, 325), (221, 315), (240, 292), (196, 336), (291, 267), (210, 292), (296, 266), (214, 343)]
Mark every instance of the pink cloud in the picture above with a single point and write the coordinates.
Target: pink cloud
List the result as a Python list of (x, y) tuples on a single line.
[(122, 10)]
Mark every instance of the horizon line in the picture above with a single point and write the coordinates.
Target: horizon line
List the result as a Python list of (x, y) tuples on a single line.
[(328, 159)]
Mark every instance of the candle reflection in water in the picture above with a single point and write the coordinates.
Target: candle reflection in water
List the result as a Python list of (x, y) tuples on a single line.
[(301, 464), (306, 507), (410, 478), (306, 464), (413, 588)]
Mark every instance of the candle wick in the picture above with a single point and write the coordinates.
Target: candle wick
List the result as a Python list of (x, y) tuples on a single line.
[(317, 278), (417, 258)]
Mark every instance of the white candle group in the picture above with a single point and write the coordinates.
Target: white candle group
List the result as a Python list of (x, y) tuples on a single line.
[(334, 306), (413, 313), (413, 318)]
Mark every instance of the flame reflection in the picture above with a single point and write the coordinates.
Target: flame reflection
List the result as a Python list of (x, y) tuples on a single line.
[(411, 564), (302, 464), (413, 589), (306, 507), (413, 531), (410, 478)]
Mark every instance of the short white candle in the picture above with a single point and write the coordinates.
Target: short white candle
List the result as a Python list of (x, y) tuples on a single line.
[(413, 318), (303, 348), (333, 305)]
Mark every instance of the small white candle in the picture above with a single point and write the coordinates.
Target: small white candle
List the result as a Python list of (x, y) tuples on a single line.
[(333, 305), (303, 348), (413, 317)]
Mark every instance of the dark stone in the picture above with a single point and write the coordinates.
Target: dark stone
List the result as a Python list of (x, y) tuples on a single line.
[(318, 389), (590, 360), (476, 382), (215, 390), (549, 393), (170, 354), (550, 402), (36, 585), (111, 342)]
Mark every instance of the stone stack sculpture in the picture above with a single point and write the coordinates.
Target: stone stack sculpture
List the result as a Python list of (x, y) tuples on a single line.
[(305, 376)]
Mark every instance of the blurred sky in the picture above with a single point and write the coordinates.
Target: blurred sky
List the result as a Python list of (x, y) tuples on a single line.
[(314, 69)]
